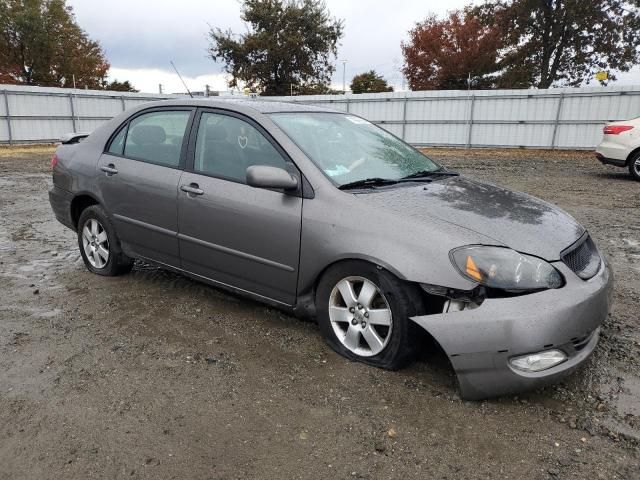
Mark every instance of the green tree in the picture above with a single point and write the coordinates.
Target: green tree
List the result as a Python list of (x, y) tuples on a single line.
[(289, 44), (562, 42), (369, 82), (41, 44), (116, 86)]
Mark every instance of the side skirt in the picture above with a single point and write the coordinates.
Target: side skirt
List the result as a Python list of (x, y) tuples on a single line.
[(223, 286)]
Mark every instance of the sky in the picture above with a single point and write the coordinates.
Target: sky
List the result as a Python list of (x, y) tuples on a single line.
[(141, 37)]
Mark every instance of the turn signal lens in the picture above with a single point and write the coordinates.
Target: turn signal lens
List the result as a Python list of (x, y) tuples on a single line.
[(616, 129), (536, 362), (54, 160), (472, 269)]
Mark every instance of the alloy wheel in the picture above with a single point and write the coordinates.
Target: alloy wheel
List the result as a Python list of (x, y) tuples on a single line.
[(95, 243), (360, 316), (636, 166)]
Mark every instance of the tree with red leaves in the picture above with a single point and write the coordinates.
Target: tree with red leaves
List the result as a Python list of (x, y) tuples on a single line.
[(443, 53)]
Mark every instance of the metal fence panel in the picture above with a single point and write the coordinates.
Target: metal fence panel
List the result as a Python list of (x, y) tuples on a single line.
[(553, 118), (97, 107), (44, 114), (34, 130)]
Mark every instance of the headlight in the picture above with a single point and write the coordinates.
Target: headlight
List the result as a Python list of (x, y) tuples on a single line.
[(506, 269)]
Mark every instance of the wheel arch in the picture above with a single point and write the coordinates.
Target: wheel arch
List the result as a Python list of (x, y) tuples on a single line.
[(634, 152), (306, 299), (79, 203)]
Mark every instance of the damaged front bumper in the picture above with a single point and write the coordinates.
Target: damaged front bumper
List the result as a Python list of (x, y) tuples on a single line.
[(480, 341)]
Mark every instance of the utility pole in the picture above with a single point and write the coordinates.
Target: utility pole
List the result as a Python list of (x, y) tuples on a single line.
[(160, 88), (73, 77), (344, 76)]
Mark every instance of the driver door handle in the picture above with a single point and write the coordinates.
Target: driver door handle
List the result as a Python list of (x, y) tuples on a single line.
[(192, 189), (109, 169)]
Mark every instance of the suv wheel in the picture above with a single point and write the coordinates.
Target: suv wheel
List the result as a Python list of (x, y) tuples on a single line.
[(634, 166)]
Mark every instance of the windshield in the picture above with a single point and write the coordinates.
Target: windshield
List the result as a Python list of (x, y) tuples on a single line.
[(348, 149)]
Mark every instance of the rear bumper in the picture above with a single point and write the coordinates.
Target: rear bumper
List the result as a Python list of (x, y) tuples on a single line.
[(60, 201), (480, 342), (613, 153), (611, 161)]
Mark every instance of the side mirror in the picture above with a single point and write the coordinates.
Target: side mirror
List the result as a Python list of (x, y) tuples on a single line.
[(264, 176)]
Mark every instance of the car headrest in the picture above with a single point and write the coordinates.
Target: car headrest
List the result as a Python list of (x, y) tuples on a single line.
[(148, 135), (216, 133)]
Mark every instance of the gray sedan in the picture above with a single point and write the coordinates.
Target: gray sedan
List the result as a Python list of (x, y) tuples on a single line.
[(325, 215)]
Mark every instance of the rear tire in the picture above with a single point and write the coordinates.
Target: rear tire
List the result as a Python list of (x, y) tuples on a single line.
[(634, 166), (367, 334), (99, 245)]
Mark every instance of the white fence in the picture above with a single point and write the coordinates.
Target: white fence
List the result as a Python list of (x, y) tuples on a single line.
[(35, 114), (569, 118)]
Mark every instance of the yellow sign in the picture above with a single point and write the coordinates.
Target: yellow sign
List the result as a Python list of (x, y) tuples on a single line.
[(601, 76)]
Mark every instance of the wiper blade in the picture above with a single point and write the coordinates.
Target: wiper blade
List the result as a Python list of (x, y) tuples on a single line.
[(430, 173), (368, 182)]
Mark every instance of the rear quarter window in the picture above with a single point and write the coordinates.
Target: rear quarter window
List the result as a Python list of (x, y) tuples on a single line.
[(117, 143)]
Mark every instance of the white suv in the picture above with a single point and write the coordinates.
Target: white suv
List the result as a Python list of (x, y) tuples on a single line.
[(621, 146)]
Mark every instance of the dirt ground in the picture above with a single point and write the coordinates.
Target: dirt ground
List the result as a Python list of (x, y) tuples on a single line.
[(152, 375)]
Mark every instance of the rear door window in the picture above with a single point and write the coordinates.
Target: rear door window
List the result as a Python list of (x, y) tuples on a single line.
[(157, 137)]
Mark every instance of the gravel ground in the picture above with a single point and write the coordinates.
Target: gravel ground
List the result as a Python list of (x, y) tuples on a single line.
[(152, 375)]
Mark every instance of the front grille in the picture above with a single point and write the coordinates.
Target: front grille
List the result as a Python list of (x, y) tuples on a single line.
[(582, 258)]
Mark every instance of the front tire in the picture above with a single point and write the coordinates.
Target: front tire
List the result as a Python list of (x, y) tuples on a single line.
[(99, 244), (363, 313), (634, 166)]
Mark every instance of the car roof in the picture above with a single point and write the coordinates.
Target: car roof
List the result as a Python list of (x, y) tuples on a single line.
[(262, 106)]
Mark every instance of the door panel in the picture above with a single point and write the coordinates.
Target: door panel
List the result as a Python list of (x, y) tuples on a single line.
[(139, 177), (141, 199), (241, 236), (232, 233)]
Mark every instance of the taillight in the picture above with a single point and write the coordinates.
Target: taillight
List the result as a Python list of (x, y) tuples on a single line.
[(616, 129), (54, 160)]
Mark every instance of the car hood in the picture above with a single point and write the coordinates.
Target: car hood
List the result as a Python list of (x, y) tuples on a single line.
[(517, 220)]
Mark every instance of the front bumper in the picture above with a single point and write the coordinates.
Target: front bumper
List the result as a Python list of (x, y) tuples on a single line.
[(479, 342)]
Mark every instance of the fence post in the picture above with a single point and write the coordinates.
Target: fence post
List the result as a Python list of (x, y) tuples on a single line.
[(73, 112), (6, 108), (404, 116), (122, 103), (472, 98), (557, 121)]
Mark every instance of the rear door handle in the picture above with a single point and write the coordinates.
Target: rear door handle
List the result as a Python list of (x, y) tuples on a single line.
[(109, 169), (192, 189)]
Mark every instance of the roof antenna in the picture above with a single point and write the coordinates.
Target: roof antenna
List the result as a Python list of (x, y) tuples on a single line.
[(185, 85)]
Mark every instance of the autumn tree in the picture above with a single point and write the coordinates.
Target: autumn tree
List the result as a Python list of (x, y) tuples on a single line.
[(442, 53), (562, 42), (41, 44), (288, 44), (369, 82)]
